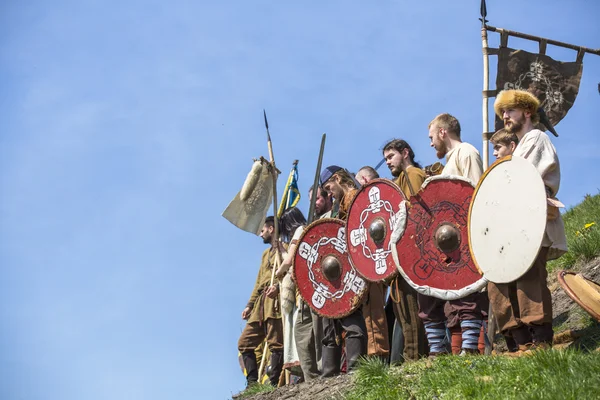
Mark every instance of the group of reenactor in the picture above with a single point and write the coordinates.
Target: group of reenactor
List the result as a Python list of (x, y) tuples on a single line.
[(406, 324)]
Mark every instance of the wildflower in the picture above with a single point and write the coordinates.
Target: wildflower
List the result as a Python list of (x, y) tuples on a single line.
[(577, 233), (587, 226)]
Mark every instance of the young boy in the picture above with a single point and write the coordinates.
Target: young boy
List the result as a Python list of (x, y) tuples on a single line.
[(504, 143)]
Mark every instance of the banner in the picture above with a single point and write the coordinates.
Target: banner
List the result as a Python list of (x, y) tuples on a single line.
[(554, 83)]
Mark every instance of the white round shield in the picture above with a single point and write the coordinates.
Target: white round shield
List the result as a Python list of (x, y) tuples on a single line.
[(507, 219)]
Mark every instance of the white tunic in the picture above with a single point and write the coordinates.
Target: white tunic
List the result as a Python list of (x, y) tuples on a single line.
[(536, 147), (464, 160)]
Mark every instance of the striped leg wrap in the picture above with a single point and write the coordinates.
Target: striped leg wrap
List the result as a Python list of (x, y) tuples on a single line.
[(470, 333), (436, 332)]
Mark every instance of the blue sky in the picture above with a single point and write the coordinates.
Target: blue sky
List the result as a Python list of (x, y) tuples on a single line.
[(127, 127)]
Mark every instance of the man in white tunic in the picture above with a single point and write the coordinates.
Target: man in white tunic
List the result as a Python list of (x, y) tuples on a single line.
[(463, 317), (530, 320)]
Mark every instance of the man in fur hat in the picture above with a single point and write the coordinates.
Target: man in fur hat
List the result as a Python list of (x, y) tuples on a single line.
[(264, 317), (529, 321), (465, 315), (338, 182)]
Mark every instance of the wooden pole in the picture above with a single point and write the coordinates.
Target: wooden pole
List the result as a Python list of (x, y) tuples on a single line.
[(541, 39), (275, 239), (486, 88)]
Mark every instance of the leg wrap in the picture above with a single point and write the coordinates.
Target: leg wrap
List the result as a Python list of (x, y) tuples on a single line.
[(470, 333), (436, 332)]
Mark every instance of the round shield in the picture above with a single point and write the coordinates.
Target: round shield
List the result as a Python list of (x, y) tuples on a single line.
[(431, 249), (584, 291), (323, 274), (371, 220), (507, 219)]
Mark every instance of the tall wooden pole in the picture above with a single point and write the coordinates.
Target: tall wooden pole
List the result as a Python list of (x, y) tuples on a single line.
[(486, 88)]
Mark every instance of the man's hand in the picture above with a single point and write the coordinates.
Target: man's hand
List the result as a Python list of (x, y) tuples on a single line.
[(272, 291), (246, 313)]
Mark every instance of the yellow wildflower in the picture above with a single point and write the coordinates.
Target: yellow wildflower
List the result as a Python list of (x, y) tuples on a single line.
[(587, 226)]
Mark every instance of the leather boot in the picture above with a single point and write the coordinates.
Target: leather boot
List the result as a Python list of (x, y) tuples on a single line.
[(355, 348), (249, 359), (331, 358), (276, 364)]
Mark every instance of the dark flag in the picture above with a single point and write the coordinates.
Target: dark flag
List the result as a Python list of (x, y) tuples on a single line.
[(555, 83)]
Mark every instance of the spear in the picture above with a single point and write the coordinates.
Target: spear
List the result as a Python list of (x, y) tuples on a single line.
[(315, 191), (275, 239)]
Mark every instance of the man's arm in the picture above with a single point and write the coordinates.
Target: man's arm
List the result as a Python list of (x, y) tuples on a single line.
[(472, 167), (257, 288)]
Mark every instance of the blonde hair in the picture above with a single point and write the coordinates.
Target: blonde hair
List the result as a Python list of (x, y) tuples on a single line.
[(344, 179), (447, 122)]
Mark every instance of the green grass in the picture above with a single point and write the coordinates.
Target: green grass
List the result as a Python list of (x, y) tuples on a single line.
[(582, 227), (255, 389), (545, 375)]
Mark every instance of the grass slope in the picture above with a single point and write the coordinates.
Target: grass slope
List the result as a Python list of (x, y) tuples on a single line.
[(545, 375), (582, 227)]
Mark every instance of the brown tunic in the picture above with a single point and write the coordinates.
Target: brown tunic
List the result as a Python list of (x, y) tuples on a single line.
[(404, 297), (416, 176), (263, 307)]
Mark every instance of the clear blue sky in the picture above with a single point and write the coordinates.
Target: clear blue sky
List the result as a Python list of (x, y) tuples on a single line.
[(128, 126)]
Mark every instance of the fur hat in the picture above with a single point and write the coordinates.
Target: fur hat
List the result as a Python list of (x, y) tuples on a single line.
[(516, 99)]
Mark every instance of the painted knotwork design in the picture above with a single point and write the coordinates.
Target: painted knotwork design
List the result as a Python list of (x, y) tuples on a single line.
[(372, 218), (330, 297)]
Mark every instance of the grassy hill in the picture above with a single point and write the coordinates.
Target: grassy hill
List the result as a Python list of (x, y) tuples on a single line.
[(572, 372)]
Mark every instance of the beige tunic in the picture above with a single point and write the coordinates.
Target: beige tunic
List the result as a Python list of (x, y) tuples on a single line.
[(263, 307), (464, 160), (536, 147)]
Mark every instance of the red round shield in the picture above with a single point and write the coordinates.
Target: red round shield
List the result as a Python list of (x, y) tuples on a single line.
[(371, 220), (323, 274), (432, 253)]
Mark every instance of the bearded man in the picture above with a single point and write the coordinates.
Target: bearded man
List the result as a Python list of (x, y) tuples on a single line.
[(263, 316), (529, 321), (338, 182), (464, 317), (400, 159)]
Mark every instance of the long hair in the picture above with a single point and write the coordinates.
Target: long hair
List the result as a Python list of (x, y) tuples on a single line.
[(399, 145), (346, 180), (290, 220)]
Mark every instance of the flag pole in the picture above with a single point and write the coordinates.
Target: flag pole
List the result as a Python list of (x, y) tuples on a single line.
[(486, 86), (491, 327), (275, 241)]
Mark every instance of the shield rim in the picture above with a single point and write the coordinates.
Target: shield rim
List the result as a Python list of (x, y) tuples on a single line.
[(567, 288), (394, 273), (481, 180), (361, 297), (442, 294)]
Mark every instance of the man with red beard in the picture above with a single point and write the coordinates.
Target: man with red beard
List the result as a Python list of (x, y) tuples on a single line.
[(529, 321), (462, 159), (464, 317)]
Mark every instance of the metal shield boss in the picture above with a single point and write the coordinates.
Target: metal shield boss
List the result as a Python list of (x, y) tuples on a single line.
[(323, 274), (507, 219), (371, 220), (431, 249)]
